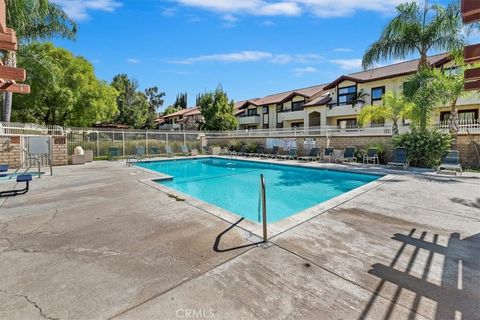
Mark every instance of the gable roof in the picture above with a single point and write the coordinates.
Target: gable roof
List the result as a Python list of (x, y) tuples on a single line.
[(320, 101), (390, 71), (179, 113), (283, 96)]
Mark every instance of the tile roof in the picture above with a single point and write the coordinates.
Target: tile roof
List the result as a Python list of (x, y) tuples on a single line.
[(393, 70), (320, 101), (280, 97), (179, 113)]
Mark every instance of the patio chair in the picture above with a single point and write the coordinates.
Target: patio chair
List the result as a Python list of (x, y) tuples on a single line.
[(26, 178), (371, 156), (313, 155), (154, 151), (451, 162), (292, 155), (399, 158), (185, 150), (169, 151), (259, 152), (139, 155), (240, 152), (113, 153), (273, 154), (327, 154)]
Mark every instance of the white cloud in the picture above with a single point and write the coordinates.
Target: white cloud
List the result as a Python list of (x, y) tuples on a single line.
[(320, 8), (252, 56), (169, 12), (133, 61), (268, 23), (298, 72), (348, 64), (78, 9), (230, 18), (342, 50)]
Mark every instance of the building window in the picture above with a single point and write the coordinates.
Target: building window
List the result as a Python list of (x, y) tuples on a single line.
[(297, 125), (265, 110), (265, 126), (265, 119), (251, 112), (471, 114), (346, 95), (377, 93), (298, 105), (347, 123)]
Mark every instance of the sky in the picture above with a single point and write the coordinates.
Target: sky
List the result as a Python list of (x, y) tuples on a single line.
[(253, 48)]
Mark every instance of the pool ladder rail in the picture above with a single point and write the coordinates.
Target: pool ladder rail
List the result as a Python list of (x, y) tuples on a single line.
[(262, 203)]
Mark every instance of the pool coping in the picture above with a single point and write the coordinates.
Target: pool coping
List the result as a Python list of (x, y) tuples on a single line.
[(275, 228)]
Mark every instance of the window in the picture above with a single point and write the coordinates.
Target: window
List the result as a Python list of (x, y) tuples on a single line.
[(265, 119), (265, 110), (347, 123), (471, 114), (377, 93), (297, 125), (298, 105), (346, 95), (251, 112)]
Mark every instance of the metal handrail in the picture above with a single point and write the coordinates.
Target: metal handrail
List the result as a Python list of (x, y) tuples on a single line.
[(264, 207)]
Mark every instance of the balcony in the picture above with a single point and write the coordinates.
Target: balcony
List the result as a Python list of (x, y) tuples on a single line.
[(338, 110), (245, 120), (291, 114)]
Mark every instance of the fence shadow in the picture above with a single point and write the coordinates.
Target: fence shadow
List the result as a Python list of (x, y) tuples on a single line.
[(459, 290)]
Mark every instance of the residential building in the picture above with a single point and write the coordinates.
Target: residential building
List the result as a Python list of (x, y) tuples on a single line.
[(185, 119), (339, 103)]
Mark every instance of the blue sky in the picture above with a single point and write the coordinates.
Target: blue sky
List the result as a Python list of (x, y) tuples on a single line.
[(252, 47)]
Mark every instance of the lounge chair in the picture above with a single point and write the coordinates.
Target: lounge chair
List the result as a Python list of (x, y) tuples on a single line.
[(292, 155), (399, 158), (327, 154), (169, 151), (451, 162), (154, 151), (139, 155), (313, 155), (371, 156), (240, 152), (273, 154), (185, 150), (113, 153), (259, 152), (26, 178), (349, 155)]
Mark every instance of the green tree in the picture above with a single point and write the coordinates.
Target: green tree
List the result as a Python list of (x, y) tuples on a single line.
[(418, 28), (133, 106), (33, 20), (394, 108), (181, 102), (155, 101), (65, 93), (170, 109), (217, 111)]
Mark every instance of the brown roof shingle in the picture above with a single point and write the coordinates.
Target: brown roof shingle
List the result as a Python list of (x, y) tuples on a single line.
[(280, 97)]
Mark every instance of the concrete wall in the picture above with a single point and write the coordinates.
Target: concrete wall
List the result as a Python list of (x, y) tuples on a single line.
[(11, 152), (468, 156)]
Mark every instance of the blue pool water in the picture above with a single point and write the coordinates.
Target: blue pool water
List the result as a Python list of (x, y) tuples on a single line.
[(234, 184)]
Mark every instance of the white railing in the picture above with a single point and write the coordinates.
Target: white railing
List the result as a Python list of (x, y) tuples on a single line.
[(464, 126)]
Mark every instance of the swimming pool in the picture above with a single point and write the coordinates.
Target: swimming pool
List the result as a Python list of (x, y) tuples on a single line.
[(234, 184)]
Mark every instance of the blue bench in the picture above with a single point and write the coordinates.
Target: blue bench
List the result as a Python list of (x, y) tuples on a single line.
[(25, 178), (4, 169)]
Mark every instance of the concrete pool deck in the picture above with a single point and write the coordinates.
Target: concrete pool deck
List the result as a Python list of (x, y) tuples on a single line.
[(96, 242)]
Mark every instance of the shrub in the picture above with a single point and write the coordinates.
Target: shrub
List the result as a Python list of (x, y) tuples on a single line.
[(425, 147), (381, 149), (235, 145), (252, 147)]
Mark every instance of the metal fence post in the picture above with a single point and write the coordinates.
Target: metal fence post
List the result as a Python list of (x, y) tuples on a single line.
[(123, 142), (146, 142), (98, 143), (166, 138), (184, 139)]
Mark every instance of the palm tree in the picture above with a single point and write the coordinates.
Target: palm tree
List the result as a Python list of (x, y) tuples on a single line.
[(394, 108), (418, 28), (33, 20)]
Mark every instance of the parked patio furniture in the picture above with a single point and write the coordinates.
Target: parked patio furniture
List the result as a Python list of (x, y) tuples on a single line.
[(169, 151), (451, 162), (259, 152), (25, 178), (273, 154), (113, 153), (313, 155), (139, 155), (349, 155), (4, 169), (327, 154), (292, 155), (185, 150), (371, 156), (154, 151), (399, 158)]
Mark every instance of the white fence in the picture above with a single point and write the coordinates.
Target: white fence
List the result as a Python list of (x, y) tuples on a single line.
[(100, 140)]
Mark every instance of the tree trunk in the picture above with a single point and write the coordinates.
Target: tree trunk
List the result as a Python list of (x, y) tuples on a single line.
[(453, 123), (11, 61), (395, 128)]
